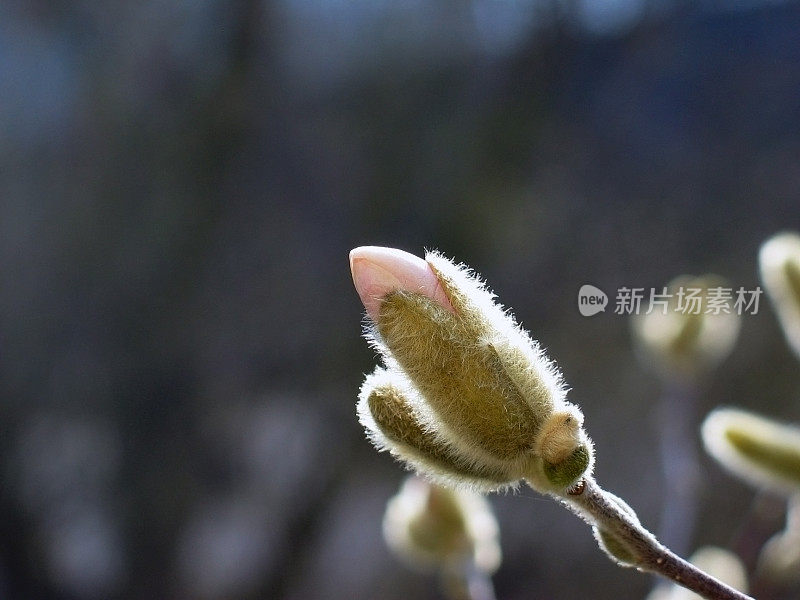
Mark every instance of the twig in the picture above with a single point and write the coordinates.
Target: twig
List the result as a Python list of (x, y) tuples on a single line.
[(598, 507)]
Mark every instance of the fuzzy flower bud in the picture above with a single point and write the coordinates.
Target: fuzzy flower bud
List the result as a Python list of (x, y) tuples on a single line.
[(761, 451), (388, 409), (690, 337), (779, 261), (430, 526), (465, 396)]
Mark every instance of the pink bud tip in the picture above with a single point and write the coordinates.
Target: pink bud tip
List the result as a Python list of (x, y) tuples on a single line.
[(378, 271)]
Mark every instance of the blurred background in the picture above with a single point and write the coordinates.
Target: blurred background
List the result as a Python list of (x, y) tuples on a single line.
[(180, 183)]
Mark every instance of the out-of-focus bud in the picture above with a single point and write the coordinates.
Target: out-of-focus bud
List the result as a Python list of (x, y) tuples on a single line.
[(721, 563), (693, 332), (779, 261), (779, 561), (433, 527), (761, 451), (465, 390)]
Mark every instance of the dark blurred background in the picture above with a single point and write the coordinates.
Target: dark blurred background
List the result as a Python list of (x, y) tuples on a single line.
[(180, 183)]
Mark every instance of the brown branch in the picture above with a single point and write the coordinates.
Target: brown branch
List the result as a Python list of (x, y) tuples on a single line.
[(600, 508)]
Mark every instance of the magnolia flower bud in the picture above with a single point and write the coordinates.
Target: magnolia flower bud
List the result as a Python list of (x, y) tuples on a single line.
[(430, 526), (779, 560), (690, 337), (761, 451), (779, 260), (466, 395)]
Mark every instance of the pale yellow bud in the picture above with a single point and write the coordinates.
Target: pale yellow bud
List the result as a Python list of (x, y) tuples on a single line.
[(779, 560), (430, 526), (779, 261), (759, 450), (691, 338)]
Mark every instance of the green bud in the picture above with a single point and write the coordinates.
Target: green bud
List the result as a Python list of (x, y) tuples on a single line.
[(686, 341), (779, 262), (614, 548), (563, 474), (761, 451), (617, 550)]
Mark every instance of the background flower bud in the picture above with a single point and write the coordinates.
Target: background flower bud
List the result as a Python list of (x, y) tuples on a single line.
[(779, 560), (429, 526), (564, 473), (683, 344), (761, 451), (779, 262)]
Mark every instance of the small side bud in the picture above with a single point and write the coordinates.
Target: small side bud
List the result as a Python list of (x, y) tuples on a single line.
[(560, 435), (692, 336), (567, 471), (761, 451), (617, 550), (429, 527), (779, 262)]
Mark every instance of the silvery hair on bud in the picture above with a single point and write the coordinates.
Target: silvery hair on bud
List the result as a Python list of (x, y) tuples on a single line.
[(477, 389)]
